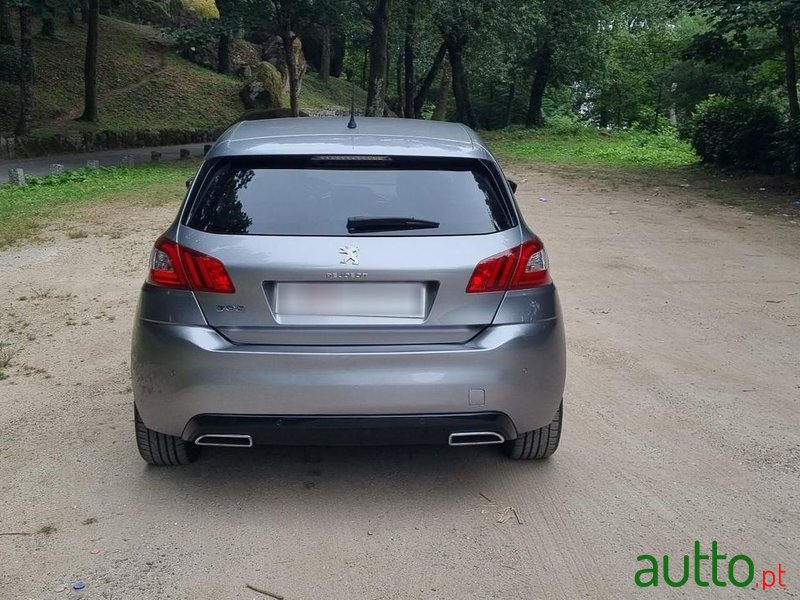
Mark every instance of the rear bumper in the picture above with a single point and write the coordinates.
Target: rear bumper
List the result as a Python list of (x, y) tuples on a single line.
[(351, 430), (181, 372)]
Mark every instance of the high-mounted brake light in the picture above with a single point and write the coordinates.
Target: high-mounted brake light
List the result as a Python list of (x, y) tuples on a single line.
[(525, 266), (173, 266)]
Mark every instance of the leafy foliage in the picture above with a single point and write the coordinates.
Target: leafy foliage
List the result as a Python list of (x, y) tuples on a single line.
[(736, 133)]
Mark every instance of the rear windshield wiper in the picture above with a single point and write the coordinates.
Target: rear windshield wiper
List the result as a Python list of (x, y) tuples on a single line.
[(371, 224)]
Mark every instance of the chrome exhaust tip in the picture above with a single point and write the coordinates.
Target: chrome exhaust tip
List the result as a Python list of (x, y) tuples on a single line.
[(475, 438), (232, 440)]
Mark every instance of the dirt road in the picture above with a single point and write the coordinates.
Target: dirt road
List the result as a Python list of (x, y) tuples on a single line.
[(682, 415)]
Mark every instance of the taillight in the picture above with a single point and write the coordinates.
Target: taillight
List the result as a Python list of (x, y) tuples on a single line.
[(172, 265), (525, 266)]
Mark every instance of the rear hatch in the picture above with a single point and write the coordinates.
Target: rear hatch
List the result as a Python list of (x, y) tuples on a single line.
[(349, 250)]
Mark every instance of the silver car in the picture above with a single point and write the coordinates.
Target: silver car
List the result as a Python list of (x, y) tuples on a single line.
[(330, 284)]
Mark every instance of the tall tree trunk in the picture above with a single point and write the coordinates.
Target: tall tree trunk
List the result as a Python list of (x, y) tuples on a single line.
[(464, 112), (291, 66), (543, 63), (224, 53), (512, 91), (399, 82), (26, 70), (6, 27), (364, 68), (789, 42), (90, 64), (408, 58), (445, 83), (427, 83), (378, 58), (71, 5), (325, 60), (48, 18)]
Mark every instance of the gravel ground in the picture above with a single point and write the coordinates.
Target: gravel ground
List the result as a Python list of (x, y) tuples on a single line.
[(682, 414)]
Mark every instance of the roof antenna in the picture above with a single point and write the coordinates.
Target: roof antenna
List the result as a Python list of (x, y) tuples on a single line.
[(352, 123)]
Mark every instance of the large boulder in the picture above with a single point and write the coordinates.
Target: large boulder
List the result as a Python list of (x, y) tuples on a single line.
[(272, 52), (264, 89)]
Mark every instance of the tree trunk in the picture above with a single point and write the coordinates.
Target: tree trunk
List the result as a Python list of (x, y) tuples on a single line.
[(399, 82), (90, 64), (408, 58), (6, 27), (544, 65), (224, 53), (291, 66), (364, 68), (26, 70), (789, 42), (512, 91), (464, 112), (378, 58), (84, 11), (427, 83), (325, 60), (48, 18), (445, 83)]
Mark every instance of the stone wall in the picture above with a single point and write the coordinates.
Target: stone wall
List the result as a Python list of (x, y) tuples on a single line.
[(71, 143)]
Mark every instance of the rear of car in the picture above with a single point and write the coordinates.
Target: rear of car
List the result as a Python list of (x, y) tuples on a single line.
[(382, 289)]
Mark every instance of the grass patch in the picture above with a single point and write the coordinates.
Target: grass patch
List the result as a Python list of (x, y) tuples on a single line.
[(586, 145), (25, 210), (336, 92)]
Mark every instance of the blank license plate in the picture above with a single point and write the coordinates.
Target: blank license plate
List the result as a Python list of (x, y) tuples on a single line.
[(351, 299)]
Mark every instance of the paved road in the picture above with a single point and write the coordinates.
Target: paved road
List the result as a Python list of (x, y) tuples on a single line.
[(682, 414), (41, 165)]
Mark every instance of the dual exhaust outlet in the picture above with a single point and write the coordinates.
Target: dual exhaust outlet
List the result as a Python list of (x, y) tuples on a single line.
[(235, 440)]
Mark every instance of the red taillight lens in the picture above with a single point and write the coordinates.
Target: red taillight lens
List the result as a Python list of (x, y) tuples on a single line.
[(206, 274), (172, 265), (165, 266), (525, 266)]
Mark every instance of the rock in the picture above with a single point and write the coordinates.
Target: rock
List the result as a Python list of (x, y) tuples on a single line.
[(272, 52), (16, 177), (92, 164), (185, 153), (155, 156), (56, 168), (264, 90)]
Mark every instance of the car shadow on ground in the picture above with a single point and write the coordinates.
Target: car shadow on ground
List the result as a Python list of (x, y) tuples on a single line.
[(356, 476)]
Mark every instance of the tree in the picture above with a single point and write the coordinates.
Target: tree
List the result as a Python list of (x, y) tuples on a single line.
[(564, 30), (378, 55), (736, 25), (48, 18), (25, 70), (459, 23), (6, 26), (408, 61), (90, 64)]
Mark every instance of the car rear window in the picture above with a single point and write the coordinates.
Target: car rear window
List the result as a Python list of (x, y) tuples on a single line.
[(316, 197)]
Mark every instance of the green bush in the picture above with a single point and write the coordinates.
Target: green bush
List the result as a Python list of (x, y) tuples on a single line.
[(9, 63), (735, 133), (786, 149)]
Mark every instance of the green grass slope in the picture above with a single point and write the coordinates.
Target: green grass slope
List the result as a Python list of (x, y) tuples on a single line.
[(142, 84)]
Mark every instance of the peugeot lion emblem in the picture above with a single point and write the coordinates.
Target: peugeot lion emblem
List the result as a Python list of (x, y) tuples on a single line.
[(349, 255)]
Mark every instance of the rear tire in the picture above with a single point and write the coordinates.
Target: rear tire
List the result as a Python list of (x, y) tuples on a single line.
[(162, 449), (539, 443)]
